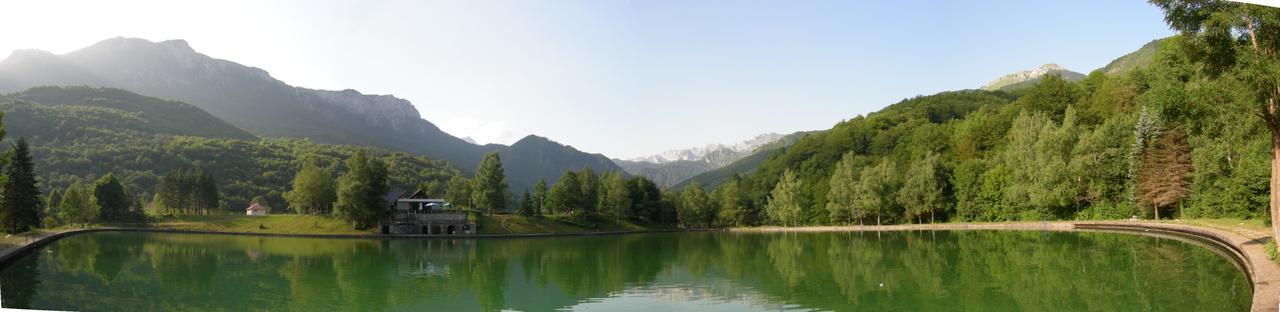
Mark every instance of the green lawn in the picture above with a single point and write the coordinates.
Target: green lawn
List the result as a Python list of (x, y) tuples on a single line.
[(283, 224), (310, 224), (517, 224)]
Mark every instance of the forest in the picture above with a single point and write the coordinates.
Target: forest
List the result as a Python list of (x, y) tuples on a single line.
[(1163, 138)]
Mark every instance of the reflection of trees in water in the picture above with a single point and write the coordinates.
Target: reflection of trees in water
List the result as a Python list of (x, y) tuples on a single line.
[(19, 282), (786, 254), (947, 270), (313, 284)]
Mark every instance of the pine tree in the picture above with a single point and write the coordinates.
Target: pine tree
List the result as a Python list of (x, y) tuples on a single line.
[(20, 197), (490, 184), (189, 191), (784, 200)]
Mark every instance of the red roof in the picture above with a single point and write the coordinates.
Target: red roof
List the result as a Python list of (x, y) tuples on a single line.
[(256, 207)]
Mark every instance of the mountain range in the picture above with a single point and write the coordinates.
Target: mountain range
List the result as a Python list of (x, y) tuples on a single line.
[(250, 99), (674, 166)]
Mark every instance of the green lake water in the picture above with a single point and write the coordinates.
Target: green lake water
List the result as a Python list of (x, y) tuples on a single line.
[(889, 271)]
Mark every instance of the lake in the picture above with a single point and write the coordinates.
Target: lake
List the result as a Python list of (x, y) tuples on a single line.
[(706, 271)]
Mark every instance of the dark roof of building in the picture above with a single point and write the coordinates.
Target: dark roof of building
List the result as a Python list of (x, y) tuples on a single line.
[(392, 196), (419, 194)]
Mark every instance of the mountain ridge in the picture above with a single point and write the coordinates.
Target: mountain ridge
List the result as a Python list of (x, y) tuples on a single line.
[(251, 99), (1025, 78), (674, 166)]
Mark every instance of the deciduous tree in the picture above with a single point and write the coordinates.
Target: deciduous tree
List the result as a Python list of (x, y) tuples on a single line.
[(313, 190), (842, 197), (784, 201), (78, 205), (924, 188)]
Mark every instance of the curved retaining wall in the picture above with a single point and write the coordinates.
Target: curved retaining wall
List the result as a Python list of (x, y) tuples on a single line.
[(1249, 254)]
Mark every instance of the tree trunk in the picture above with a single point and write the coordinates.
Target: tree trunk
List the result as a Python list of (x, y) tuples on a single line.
[(1275, 184), (1156, 208), (1272, 201)]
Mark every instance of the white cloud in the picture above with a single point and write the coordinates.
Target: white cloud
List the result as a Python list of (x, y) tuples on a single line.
[(483, 132)]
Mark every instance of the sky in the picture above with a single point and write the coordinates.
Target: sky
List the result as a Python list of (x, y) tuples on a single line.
[(622, 78)]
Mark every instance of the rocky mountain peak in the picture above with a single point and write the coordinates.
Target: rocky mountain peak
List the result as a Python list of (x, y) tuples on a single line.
[(1030, 75), (715, 154)]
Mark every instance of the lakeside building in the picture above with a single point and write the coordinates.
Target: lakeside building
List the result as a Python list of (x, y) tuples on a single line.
[(416, 213), (256, 210)]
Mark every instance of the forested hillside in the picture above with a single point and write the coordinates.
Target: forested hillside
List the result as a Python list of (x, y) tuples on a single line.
[(80, 133), (1157, 137)]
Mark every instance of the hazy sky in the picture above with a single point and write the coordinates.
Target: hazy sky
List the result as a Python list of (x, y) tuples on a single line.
[(623, 78)]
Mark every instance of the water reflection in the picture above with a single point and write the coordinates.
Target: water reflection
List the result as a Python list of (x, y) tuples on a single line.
[(978, 270)]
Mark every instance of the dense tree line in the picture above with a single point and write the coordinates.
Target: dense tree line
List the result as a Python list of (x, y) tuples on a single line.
[(577, 194), (188, 191), (1168, 140), (1229, 62)]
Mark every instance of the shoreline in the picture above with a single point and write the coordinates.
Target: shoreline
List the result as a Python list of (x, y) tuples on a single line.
[(1246, 250)]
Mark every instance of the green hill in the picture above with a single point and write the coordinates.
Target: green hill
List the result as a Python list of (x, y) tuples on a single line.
[(251, 99), (92, 132), (143, 114), (1134, 60)]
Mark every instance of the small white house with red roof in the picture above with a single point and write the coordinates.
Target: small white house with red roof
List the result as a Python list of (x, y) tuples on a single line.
[(256, 210)]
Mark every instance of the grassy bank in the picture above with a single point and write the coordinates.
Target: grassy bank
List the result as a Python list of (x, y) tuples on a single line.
[(279, 224), (310, 224), (517, 224)]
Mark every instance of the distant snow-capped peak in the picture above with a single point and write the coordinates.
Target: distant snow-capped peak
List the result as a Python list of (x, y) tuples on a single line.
[(715, 154)]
